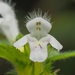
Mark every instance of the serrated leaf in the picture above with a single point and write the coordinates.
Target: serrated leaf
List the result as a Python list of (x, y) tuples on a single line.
[(54, 56), (20, 61), (13, 55), (64, 55)]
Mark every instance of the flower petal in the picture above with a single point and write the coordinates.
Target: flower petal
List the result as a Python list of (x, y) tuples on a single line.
[(8, 21), (1, 20), (55, 43), (10, 29), (38, 51), (21, 42)]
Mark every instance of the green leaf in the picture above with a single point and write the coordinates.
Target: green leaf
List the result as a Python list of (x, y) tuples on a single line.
[(27, 50), (13, 55), (19, 60), (63, 55), (54, 55), (11, 72)]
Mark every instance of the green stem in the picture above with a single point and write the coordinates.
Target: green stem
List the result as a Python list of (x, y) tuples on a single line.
[(37, 68)]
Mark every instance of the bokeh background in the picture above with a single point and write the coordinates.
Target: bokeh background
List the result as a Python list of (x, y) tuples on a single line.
[(63, 28)]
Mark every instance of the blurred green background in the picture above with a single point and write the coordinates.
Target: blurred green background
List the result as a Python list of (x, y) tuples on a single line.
[(63, 28)]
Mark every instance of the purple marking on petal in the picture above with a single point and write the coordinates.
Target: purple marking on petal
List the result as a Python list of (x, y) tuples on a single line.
[(40, 46)]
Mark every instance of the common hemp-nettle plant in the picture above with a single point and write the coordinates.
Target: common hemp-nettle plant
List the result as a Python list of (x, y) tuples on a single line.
[(34, 53)]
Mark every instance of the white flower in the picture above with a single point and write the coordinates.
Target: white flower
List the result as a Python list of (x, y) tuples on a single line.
[(8, 22), (38, 26)]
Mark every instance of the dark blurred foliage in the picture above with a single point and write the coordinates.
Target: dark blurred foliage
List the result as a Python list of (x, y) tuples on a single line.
[(63, 19)]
